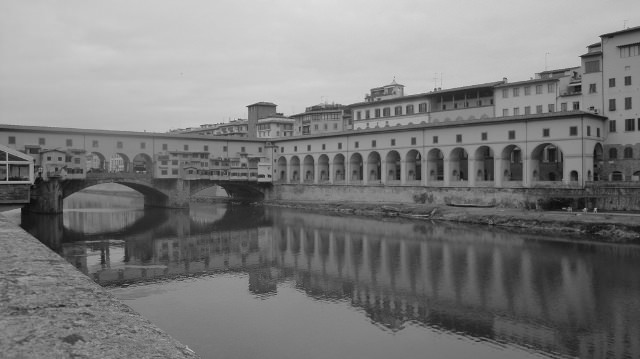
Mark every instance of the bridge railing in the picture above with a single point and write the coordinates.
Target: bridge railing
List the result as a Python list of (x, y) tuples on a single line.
[(118, 176)]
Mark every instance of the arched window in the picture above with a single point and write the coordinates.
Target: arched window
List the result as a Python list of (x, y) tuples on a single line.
[(613, 154), (628, 152)]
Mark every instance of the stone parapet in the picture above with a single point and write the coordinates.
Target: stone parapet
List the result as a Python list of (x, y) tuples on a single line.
[(48, 309)]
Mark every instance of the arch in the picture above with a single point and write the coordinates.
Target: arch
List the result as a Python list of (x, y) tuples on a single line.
[(394, 165), (548, 160), (308, 169), (414, 165), (459, 163), (511, 157), (119, 162), (97, 162), (373, 167), (573, 176), (435, 165), (282, 168), (484, 163), (142, 163), (323, 167), (355, 167), (295, 169), (338, 167)]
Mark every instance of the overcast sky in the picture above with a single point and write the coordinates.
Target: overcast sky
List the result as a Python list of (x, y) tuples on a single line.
[(157, 65)]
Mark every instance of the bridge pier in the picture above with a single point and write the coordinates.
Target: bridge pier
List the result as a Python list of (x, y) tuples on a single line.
[(46, 197)]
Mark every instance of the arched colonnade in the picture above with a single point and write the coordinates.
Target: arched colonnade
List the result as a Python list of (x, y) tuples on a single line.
[(509, 165)]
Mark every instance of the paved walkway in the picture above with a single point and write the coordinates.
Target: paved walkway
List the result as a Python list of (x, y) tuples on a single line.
[(48, 309)]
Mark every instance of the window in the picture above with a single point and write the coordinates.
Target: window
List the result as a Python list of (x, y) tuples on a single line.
[(588, 130), (119, 144), (538, 89), (516, 111), (259, 149), (576, 105), (308, 147), (458, 138), (597, 131), (281, 149), (516, 92), (563, 106), (628, 152), (627, 103), (335, 126), (612, 104), (630, 50), (422, 108), (527, 90), (295, 148), (505, 93), (539, 109), (12, 140), (41, 141), (324, 147), (386, 112), (165, 147), (592, 66), (393, 142), (435, 139), (409, 110), (76, 160), (186, 147), (612, 82), (592, 88), (174, 171), (527, 110), (359, 115), (356, 144), (551, 107), (69, 142), (163, 172), (612, 125), (512, 135), (174, 162), (483, 136), (206, 148), (94, 143), (630, 124), (545, 132), (373, 143), (367, 114), (339, 145), (551, 88), (377, 112), (627, 80), (225, 149), (573, 130), (413, 140), (326, 126), (143, 145), (613, 154), (505, 112)]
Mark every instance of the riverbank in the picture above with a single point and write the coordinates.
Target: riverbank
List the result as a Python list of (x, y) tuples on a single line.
[(49, 309), (612, 227)]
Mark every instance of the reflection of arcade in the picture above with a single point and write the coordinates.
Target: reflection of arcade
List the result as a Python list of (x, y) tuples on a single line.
[(487, 284)]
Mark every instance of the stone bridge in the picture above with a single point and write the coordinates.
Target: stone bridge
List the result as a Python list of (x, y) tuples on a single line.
[(48, 196)]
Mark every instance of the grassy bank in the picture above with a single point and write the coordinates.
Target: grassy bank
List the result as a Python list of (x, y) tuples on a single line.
[(607, 227)]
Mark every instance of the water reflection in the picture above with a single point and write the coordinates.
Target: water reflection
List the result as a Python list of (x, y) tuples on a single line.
[(559, 298)]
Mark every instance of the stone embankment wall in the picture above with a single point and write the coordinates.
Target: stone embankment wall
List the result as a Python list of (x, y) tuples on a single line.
[(546, 198), (49, 309)]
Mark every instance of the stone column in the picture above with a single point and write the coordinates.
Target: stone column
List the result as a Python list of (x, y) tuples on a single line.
[(403, 172)]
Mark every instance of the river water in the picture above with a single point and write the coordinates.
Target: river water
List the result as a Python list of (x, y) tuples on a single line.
[(235, 281)]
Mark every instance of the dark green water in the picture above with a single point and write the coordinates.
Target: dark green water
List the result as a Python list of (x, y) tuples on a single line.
[(254, 282)]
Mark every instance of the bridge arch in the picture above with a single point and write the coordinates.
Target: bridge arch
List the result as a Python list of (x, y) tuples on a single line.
[(142, 163), (435, 165), (323, 168), (97, 162), (295, 169), (308, 168), (338, 168), (355, 167), (374, 166), (547, 163), (413, 165), (394, 166)]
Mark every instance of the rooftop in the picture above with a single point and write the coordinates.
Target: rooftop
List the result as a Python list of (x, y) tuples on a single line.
[(627, 30)]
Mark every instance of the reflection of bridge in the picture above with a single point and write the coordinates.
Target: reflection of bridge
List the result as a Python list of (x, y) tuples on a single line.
[(484, 284), (48, 196)]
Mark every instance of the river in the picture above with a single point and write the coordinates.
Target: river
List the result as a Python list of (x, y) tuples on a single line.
[(233, 281)]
